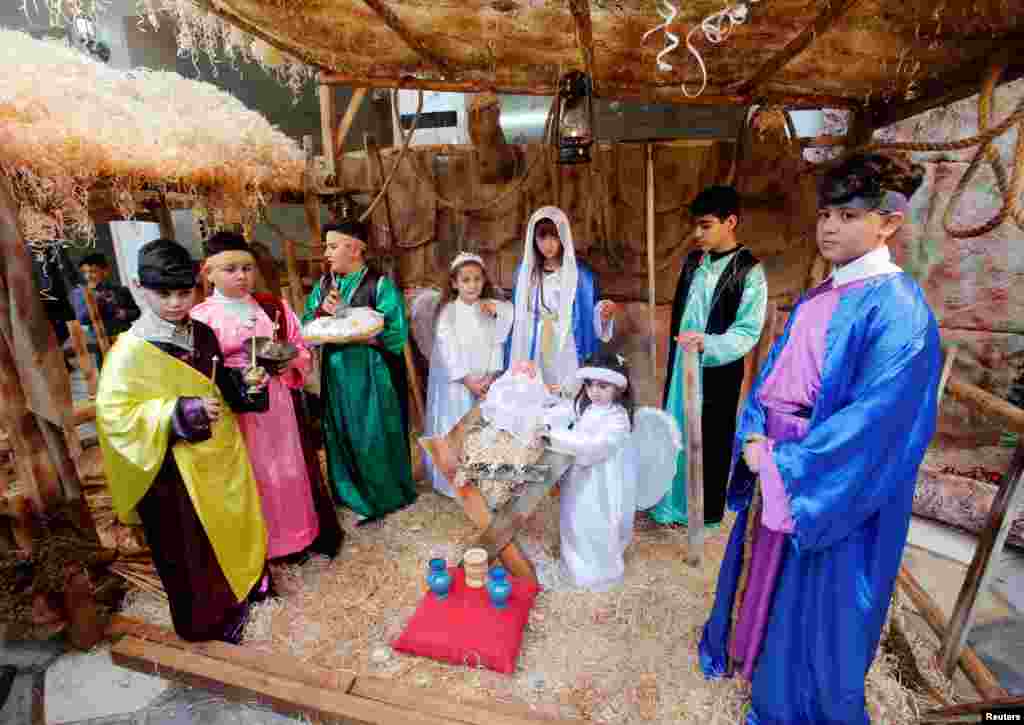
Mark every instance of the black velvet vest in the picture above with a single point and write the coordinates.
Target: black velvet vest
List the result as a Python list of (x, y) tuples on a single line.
[(724, 306)]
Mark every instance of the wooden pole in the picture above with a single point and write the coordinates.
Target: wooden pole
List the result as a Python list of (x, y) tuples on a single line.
[(328, 117), (947, 367), (651, 298), (986, 559), (1006, 414), (694, 457), (979, 675), (956, 713), (85, 359), (97, 322), (165, 218), (414, 385), (354, 104), (755, 358), (311, 200), (294, 280)]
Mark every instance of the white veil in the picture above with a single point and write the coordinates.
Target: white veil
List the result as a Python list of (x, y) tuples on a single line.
[(522, 330)]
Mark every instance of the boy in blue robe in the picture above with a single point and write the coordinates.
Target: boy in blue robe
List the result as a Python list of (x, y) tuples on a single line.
[(824, 466)]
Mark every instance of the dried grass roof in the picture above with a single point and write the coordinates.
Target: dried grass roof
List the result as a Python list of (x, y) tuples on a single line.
[(69, 123), (815, 53)]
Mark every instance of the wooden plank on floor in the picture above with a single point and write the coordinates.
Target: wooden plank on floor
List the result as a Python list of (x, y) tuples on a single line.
[(384, 690), (273, 664), (243, 684)]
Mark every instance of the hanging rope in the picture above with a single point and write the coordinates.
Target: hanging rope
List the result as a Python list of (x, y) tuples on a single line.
[(428, 185), (401, 154), (1010, 190)]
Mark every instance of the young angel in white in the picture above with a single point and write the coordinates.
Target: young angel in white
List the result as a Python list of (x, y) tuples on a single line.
[(599, 498), (468, 350)]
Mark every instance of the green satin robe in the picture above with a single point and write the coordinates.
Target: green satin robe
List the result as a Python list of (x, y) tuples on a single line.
[(365, 435), (722, 349)]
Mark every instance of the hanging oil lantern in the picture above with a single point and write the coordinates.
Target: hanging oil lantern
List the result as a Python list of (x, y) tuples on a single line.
[(575, 119)]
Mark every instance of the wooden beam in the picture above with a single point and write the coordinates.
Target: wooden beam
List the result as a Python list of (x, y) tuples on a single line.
[(979, 675), (952, 87), (955, 713), (986, 560), (824, 141), (396, 25), (279, 665), (580, 10), (826, 19), (672, 94), (377, 689), (354, 104), (243, 684), (455, 711), (328, 117), (1004, 413)]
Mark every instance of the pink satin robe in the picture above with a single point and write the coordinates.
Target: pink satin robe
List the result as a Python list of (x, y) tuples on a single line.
[(273, 439)]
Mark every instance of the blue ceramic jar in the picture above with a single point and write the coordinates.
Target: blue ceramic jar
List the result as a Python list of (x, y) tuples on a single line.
[(438, 578), (498, 587)]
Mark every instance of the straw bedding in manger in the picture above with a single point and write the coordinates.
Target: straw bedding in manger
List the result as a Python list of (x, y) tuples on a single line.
[(625, 656)]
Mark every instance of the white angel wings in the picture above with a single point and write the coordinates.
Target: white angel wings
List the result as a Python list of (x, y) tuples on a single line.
[(655, 446)]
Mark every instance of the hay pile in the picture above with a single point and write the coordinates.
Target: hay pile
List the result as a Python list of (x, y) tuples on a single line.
[(203, 33), (69, 123), (626, 656)]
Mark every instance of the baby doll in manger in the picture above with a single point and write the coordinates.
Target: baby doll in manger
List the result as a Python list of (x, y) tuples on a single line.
[(614, 460)]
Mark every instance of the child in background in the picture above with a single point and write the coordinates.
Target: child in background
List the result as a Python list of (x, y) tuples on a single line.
[(468, 352)]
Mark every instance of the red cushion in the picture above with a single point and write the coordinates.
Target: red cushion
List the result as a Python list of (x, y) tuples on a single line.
[(466, 629)]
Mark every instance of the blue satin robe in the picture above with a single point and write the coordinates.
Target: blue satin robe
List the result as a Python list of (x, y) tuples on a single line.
[(583, 306), (850, 484)]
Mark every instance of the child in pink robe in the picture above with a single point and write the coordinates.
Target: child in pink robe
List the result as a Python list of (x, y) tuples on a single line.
[(273, 438)]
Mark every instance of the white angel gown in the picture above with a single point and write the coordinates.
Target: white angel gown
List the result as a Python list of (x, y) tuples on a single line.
[(467, 342), (599, 495)]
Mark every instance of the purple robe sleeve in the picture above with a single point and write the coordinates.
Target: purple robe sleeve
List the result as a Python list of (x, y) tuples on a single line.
[(775, 515)]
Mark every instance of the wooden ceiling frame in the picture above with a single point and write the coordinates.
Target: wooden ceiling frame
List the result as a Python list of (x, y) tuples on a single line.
[(832, 13), (954, 87), (580, 10), (395, 24), (934, 92)]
